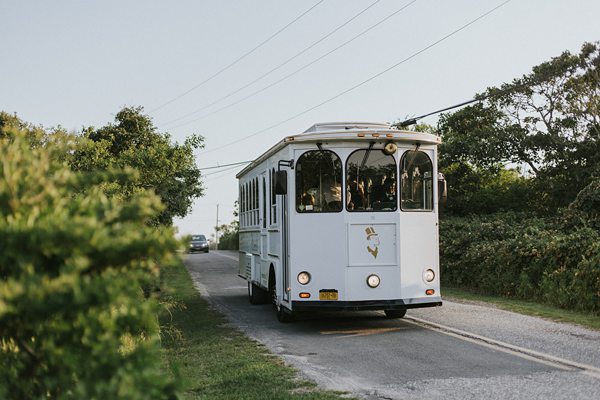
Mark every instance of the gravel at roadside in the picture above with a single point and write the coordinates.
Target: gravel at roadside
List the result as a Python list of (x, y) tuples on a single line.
[(563, 340)]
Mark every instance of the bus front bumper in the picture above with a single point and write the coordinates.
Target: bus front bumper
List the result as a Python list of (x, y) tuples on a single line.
[(400, 304)]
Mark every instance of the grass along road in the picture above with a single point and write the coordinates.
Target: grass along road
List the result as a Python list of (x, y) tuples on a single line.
[(213, 360)]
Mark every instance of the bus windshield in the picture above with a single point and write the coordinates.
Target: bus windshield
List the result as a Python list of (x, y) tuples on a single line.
[(371, 181), (319, 182)]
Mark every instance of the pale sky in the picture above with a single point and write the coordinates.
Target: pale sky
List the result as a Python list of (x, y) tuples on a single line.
[(76, 63)]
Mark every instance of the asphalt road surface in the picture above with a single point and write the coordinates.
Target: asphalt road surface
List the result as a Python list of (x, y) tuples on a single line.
[(457, 351)]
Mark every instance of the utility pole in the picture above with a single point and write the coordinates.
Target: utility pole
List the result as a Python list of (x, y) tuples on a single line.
[(217, 230)]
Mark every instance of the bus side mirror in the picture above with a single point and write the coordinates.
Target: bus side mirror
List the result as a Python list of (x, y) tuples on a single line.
[(281, 182), (442, 188)]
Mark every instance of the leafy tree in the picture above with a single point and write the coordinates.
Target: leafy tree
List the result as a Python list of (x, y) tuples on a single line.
[(548, 121), (474, 190), (230, 233), (36, 135), (133, 141), (73, 320)]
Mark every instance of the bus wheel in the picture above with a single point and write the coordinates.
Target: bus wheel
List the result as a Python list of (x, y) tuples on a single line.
[(283, 315), (395, 313), (256, 295)]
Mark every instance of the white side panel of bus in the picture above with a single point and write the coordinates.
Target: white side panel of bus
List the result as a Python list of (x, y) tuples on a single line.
[(275, 243), (264, 273), (255, 243), (245, 242), (245, 264)]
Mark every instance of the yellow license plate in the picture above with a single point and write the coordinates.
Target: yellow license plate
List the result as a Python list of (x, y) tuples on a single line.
[(328, 295)]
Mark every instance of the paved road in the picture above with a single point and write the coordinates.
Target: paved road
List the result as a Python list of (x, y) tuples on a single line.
[(457, 351)]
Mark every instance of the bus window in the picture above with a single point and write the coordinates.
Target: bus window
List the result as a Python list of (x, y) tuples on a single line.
[(371, 181), (319, 182), (416, 172), (273, 199)]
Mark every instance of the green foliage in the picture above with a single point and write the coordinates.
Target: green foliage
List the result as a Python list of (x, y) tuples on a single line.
[(481, 191), (73, 320), (586, 207), (547, 121), (519, 255), (229, 238), (132, 141)]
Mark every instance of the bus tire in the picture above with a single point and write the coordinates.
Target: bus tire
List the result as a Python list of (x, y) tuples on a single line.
[(284, 315), (272, 293), (256, 295), (394, 313)]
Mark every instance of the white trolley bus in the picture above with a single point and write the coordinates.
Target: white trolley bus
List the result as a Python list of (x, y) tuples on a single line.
[(343, 216)]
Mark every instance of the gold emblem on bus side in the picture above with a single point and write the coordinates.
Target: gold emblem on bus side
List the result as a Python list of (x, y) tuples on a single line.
[(373, 240)]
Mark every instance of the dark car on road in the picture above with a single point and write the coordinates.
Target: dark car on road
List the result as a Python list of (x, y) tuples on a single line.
[(198, 243)]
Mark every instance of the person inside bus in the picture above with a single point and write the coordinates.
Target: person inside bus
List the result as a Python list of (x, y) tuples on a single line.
[(307, 201), (384, 194), (356, 198), (333, 196)]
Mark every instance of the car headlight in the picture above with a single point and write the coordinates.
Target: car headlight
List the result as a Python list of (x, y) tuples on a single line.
[(303, 278), (428, 275), (373, 280)]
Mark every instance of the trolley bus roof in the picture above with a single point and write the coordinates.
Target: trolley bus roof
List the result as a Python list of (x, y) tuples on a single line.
[(346, 131)]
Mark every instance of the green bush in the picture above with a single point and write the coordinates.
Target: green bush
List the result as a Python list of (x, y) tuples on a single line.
[(585, 209), (74, 322), (229, 241), (523, 256), (479, 191)]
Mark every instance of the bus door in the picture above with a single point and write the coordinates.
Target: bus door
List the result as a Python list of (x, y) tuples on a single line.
[(285, 246), (281, 188)]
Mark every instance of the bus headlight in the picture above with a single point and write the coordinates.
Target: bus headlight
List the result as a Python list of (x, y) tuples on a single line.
[(303, 278), (428, 275), (373, 280)]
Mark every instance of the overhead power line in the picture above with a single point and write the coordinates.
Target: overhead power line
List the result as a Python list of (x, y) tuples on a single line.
[(440, 40), (226, 169), (240, 58), (274, 69), (225, 165), (408, 122), (299, 69)]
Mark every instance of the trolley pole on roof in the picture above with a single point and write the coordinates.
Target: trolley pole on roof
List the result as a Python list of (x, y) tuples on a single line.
[(414, 120)]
